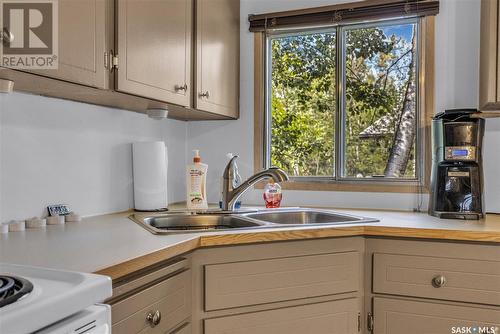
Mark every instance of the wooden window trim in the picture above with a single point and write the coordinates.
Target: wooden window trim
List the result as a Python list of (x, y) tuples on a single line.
[(426, 105), (367, 10)]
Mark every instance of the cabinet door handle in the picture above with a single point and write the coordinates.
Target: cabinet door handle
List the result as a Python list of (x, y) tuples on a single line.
[(153, 318), (183, 87), (438, 281), (206, 94)]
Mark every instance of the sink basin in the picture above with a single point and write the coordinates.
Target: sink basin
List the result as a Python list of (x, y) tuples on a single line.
[(306, 217), (183, 223)]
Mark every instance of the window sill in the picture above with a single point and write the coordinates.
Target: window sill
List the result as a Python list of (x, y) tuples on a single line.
[(353, 186)]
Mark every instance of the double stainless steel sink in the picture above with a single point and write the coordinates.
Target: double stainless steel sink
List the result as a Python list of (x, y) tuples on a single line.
[(185, 222)]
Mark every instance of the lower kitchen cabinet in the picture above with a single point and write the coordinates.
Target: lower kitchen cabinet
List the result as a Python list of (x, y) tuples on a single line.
[(152, 303), (397, 316), (229, 285), (324, 286), (297, 287), (427, 287), (183, 329), (332, 317)]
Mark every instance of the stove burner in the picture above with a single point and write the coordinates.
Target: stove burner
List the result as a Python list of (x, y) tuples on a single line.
[(12, 288)]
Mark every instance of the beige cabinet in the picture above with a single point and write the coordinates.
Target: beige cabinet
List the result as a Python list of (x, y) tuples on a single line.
[(157, 309), (83, 41), (396, 316), (446, 278), (332, 317), (432, 287), (217, 56), (154, 49), (313, 286), (142, 54), (256, 282), (489, 81), (158, 300)]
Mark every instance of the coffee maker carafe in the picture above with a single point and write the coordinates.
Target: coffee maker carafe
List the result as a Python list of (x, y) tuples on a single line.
[(457, 168)]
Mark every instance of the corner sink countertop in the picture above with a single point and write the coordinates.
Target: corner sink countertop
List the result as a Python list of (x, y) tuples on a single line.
[(249, 219), (114, 245)]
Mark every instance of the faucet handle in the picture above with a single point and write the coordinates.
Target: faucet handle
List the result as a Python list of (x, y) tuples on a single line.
[(229, 166)]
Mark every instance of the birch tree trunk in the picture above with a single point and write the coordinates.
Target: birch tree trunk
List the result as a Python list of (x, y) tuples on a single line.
[(405, 133)]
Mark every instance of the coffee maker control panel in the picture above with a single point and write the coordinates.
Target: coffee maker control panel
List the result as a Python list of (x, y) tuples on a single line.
[(460, 153)]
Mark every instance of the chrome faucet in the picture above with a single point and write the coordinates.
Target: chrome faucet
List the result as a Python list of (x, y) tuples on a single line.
[(231, 192)]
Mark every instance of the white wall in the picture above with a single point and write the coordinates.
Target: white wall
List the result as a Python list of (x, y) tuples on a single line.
[(457, 63), (57, 151)]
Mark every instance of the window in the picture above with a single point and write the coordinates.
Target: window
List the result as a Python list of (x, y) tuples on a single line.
[(343, 103)]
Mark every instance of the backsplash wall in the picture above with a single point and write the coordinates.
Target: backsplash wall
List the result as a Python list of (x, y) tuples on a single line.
[(58, 151), (457, 76)]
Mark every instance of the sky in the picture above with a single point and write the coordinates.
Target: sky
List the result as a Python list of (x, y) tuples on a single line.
[(404, 30)]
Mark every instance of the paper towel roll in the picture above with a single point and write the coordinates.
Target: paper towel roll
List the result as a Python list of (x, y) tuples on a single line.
[(150, 175)]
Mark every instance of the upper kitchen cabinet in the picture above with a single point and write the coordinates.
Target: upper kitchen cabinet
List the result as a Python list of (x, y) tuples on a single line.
[(489, 84), (154, 49), (217, 56), (84, 31)]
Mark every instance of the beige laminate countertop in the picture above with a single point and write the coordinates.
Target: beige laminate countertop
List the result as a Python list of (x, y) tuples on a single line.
[(116, 246)]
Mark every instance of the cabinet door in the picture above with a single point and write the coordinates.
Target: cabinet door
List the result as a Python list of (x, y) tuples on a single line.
[(497, 58), (489, 73), (217, 56), (393, 316), (154, 49), (333, 317), (82, 43)]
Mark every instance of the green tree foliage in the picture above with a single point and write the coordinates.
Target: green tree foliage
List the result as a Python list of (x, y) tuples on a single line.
[(304, 101)]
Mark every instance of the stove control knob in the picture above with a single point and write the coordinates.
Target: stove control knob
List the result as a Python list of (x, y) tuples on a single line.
[(153, 318)]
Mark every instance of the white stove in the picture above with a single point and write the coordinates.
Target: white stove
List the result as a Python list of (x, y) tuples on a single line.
[(40, 300)]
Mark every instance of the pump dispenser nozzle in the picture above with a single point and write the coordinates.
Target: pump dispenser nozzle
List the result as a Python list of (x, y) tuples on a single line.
[(196, 157)]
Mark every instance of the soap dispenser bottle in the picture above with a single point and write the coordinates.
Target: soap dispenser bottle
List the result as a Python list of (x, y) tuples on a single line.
[(196, 184)]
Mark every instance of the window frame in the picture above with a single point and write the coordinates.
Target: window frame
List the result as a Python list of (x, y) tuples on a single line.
[(424, 104)]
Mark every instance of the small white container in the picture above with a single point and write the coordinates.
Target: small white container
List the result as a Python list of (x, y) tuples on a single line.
[(4, 228), (55, 220), (35, 222), (72, 218), (17, 225)]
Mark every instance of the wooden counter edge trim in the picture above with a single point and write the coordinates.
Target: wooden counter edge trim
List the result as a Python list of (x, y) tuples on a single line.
[(283, 235), (432, 233), (120, 270)]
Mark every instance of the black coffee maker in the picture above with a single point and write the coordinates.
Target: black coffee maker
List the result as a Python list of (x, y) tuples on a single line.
[(457, 167)]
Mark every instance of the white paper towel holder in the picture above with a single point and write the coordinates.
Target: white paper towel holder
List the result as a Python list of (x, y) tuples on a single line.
[(150, 163)]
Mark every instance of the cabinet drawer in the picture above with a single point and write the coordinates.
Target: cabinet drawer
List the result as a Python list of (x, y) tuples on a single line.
[(333, 317), (184, 329), (273, 280), (475, 281), (171, 297), (394, 316)]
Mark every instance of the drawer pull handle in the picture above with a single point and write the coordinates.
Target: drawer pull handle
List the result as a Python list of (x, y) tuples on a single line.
[(438, 281), (183, 87), (153, 318), (205, 94)]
